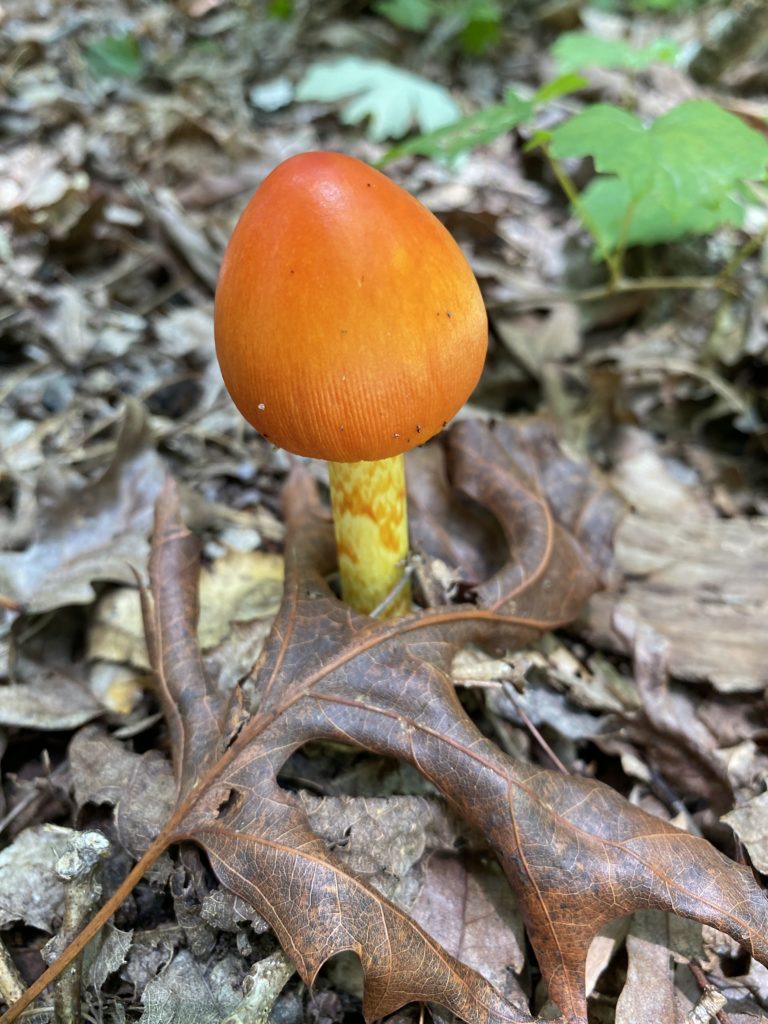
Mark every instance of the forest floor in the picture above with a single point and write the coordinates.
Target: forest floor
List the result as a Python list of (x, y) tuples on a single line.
[(133, 134)]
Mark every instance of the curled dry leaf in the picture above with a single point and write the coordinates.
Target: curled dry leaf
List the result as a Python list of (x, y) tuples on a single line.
[(540, 528), (576, 853), (667, 725)]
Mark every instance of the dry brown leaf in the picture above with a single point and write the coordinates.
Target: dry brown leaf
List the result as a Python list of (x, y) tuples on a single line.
[(648, 996), (576, 853), (138, 786), (699, 580), (98, 532), (469, 908), (50, 698), (750, 823)]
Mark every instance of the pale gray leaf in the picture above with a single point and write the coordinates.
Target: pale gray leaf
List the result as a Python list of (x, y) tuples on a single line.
[(49, 700), (30, 889), (393, 99), (184, 993), (469, 907), (139, 786), (110, 956), (750, 823), (648, 995), (96, 532)]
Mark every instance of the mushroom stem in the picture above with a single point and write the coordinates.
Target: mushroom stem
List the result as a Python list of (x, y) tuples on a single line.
[(371, 522)]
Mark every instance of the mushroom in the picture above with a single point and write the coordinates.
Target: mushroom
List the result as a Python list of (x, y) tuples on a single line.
[(349, 327)]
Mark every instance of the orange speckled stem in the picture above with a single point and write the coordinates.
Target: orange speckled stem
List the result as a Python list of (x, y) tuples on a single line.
[(371, 522)]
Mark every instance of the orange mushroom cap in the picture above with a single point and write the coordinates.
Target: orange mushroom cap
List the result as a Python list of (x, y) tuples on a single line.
[(348, 324)]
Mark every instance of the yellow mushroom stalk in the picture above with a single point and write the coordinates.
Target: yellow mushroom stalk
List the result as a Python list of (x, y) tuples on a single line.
[(370, 519)]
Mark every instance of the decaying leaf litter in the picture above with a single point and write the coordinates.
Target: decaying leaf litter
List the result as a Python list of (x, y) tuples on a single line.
[(121, 190)]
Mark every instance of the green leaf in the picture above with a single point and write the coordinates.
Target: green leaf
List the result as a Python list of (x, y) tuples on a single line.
[(393, 100), (601, 131), (539, 139), (559, 87), (455, 139), (451, 142), (668, 6), (480, 10), (414, 15), (692, 156), (115, 57), (575, 51), (476, 22), (707, 149), (606, 204), (482, 27), (282, 9), (479, 36)]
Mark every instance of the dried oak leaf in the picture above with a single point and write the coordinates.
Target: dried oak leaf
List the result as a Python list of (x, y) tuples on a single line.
[(576, 853)]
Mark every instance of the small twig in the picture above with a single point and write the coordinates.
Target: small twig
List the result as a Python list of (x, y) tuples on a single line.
[(751, 245), (621, 287), (44, 787), (77, 867), (621, 247), (671, 366), (509, 692), (661, 789), (394, 593), (126, 732), (711, 1002), (11, 983), (261, 987)]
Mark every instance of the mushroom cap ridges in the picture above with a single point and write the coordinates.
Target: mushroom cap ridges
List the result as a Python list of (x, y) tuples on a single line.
[(348, 323)]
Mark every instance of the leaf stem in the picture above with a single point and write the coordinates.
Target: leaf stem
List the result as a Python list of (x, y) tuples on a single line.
[(511, 694), (567, 184), (729, 394), (622, 286), (621, 247), (751, 245)]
